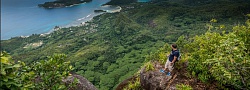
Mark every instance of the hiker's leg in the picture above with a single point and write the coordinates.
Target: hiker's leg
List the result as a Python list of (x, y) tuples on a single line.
[(167, 66), (170, 67)]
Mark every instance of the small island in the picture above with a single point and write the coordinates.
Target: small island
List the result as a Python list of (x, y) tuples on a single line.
[(62, 3)]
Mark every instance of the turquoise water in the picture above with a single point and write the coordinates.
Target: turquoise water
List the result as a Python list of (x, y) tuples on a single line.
[(24, 17), (143, 0)]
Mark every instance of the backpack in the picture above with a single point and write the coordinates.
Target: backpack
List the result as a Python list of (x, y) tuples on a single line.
[(179, 58)]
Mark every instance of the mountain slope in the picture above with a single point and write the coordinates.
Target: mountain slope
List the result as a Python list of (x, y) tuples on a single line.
[(112, 47), (209, 61)]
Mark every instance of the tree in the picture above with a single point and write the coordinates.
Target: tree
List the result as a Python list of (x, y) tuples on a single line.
[(49, 73)]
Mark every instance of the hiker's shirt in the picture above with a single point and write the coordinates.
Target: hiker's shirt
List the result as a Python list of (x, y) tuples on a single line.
[(172, 54)]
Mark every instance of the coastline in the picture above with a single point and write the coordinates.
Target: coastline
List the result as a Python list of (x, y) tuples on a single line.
[(81, 21), (22, 20)]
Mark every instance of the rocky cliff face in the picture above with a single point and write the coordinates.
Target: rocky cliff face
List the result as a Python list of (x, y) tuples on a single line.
[(82, 84), (154, 80)]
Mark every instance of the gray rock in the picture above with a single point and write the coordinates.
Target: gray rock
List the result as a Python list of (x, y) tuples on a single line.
[(82, 84), (154, 80)]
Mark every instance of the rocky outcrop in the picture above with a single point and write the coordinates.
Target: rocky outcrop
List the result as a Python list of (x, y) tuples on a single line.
[(82, 84), (151, 80), (154, 80), (124, 83)]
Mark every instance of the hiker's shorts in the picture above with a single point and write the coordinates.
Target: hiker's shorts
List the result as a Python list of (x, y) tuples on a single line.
[(169, 66)]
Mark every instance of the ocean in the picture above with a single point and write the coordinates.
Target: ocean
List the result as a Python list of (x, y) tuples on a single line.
[(24, 17)]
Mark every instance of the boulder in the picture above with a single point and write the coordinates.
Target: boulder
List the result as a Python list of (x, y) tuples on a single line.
[(151, 80), (82, 84), (124, 83), (154, 80)]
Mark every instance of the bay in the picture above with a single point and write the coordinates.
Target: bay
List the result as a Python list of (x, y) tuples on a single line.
[(24, 17)]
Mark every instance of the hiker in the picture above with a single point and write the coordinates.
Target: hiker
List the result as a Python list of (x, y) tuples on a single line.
[(172, 58)]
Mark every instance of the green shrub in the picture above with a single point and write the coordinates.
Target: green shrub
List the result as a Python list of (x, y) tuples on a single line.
[(183, 87), (149, 66), (14, 76), (51, 72), (160, 55), (136, 85), (45, 74), (222, 57)]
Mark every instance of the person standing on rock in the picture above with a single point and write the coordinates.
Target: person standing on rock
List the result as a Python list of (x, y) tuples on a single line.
[(172, 58)]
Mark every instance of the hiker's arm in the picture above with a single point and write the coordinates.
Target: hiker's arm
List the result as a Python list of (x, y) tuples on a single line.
[(175, 58), (168, 55)]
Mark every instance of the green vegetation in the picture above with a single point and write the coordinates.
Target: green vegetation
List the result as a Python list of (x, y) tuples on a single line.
[(135, 85), (215, 57), (120, 2), (51, 72), (46, 74), (10, 77), (183, 87), (148, 66), (222, 57), (112, 47), (62, 3)]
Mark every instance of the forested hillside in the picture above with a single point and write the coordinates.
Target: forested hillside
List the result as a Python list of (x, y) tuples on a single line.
[(113, 46)]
